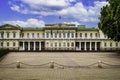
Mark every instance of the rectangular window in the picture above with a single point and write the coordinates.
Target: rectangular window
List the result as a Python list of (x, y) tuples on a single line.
[(59, 35), (68, 34), (13, 43), (33, 35), (38, 35), (91, 35), (55, 44), (105, 44), (59, 44), (96, 35), (116, 44), (72, 44), (55, 35), (43, 35), (72, 35), (64, 35), (80, 34), (2, 34), (47, 35), (110, 44), (68, 44), (64, 44), (22, 34), (14, 34), (1, 43), (7, 34), (86, 35), (7, 43), (27, 35)]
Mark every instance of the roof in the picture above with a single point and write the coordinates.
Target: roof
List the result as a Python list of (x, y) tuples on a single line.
[(10, 27), (84, 28), (32, 28)]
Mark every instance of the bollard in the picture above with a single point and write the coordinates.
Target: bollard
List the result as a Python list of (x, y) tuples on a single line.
[(52, 65), (18, 64), (99, 64)]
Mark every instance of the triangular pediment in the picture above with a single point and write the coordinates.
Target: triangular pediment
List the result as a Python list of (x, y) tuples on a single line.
[(9, 27)]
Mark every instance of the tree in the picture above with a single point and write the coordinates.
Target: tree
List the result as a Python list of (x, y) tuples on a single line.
[(110, 20)]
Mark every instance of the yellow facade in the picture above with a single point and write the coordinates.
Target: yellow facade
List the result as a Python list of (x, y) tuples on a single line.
[(54, 37)]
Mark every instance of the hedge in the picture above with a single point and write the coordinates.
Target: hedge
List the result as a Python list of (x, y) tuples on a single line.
[(3, 51)]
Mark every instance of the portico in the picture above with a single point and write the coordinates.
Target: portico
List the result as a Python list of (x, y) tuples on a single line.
[(89, 46), (30, 45)]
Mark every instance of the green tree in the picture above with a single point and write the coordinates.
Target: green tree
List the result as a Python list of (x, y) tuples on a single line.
[(110, 20)]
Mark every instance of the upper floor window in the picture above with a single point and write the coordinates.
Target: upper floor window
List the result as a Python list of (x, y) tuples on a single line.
[(72, 35), (96, 35), (38, 35), (8, 34), (55, 35), (80, 34), (22, 34), (14, 34), (68, 34), (91, 35), (43, 35), (59, 35), (28, 35), (64, 35), (85, 34), (33, 35), (2, 34), (47, 35)]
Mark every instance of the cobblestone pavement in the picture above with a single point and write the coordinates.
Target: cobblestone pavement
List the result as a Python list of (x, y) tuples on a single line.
[(65, 58)]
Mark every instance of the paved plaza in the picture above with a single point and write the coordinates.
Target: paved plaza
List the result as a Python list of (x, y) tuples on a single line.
[(63, 58)]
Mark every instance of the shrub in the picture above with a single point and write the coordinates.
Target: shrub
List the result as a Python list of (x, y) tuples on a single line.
[(3, 51)]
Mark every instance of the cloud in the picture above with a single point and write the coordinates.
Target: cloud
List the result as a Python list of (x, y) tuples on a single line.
[(28, 23), (65, 8), (74, 22)]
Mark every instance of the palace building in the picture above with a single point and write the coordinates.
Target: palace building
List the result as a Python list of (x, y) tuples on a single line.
[(55, 37)]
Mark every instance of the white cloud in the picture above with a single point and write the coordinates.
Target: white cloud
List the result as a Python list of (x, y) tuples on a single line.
[(29, 23), (75, 22), (64, 8)]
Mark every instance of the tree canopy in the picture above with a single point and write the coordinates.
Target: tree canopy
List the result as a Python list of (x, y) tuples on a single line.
[(110, 20)]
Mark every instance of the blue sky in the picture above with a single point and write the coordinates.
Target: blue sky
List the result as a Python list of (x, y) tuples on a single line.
[(36, 13)]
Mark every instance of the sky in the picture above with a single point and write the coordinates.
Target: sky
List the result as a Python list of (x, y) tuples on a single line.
[(37, 13)]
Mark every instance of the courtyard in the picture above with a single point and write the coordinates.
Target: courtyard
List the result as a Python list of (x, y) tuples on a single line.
[(63, 58)]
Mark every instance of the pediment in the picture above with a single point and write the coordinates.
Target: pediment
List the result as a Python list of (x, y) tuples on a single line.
[(9, 27)]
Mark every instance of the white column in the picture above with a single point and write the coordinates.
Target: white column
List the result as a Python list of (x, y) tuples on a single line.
[(34, 46), (39, 45), (95, 46), (28, 45), (85, 46), (90, 46), (80, 45), (23, 45)]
